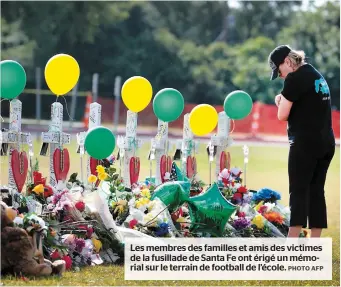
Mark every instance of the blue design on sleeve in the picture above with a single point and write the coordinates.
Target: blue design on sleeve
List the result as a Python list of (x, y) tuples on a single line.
[(321, 86)]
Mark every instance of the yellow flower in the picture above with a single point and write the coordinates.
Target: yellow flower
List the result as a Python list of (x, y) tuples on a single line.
[(38, 189), (181, 219), (119, 209), (258, 221), (145, 193), (100, 169), (102, 176), (257, 207), (148, 218), (142, 201), (92, 178), (122, 202), (97, 244)]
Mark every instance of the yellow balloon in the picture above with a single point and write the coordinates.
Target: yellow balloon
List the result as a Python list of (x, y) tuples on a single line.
[(203, 119), (61, 74), (137, 93)]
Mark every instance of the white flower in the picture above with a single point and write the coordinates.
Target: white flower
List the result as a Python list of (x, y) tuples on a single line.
[(269, 206), (131, 202), (237, 185), (225, 173), (136, 190), (235, 171), (50, 206), (18, 221), (167, 175)]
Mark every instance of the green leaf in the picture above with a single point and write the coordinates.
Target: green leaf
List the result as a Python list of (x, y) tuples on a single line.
[(115, 176)]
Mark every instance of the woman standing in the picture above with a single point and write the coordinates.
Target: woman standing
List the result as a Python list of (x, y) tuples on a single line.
[(306, 105)]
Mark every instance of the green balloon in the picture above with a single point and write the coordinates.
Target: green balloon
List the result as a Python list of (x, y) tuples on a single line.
[(172, 193), (99, 142), (210, 212), (168, 105), (238, 105), (13, 79)]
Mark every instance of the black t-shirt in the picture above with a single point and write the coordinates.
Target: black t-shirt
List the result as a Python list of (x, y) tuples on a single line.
[(310, 114)]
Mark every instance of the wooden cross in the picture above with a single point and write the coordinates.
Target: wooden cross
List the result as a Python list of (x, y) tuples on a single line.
[(160, 146), (54, 138), (221, 141), (13, 139), (95, 119), (187, 146), (128, 147)]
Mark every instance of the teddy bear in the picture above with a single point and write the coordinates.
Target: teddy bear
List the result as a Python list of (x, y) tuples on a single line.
[(17, 250)]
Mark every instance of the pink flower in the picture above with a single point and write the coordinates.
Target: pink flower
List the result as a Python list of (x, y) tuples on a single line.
[(89, 232), (68, 262), (262, 209), (132, 223)]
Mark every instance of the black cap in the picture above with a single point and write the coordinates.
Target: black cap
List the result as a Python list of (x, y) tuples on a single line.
[(276, 58)]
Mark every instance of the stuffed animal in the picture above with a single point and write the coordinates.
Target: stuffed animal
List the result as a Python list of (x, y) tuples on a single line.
[(17, 251)]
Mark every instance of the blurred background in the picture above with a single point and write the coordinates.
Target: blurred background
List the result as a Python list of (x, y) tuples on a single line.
[(203, 49)]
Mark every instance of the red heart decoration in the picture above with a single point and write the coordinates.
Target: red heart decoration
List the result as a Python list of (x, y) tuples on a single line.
[(165, 166), (19, 165), (134, 169), (93, 165), (61, 163), (225, 160), (191, 166)]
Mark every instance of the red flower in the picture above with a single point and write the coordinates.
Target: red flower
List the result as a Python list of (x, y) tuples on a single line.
[(68, 262), (240, 214), (80, 205), (232, 183), (262, 209), (48, 191), (225, 181), (55, 255), (89, 232), (237, 196), (38, 178), (242, 189), (132, 223)]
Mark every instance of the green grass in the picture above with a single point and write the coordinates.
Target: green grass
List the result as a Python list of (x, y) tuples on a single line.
[(267, 168)]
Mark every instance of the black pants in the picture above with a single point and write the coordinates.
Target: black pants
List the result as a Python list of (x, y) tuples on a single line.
[(308, 165)]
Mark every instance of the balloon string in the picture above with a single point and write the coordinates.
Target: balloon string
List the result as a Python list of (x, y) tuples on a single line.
[(233, 126), (67, 111)]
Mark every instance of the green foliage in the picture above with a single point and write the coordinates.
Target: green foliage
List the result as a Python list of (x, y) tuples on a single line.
[(204, 49), (15, 45), (320, 41)]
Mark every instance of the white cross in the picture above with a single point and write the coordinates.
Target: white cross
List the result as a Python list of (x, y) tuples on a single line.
[(55, 138), (15, 138), (159, 147), (221, 140), (95, 119), (128, 146), (187, 145)]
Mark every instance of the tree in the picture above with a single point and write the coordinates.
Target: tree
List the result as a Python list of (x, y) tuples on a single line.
[(317, 32), (15, 45)]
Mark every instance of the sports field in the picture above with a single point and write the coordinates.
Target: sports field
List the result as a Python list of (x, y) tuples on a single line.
[(267, 168)]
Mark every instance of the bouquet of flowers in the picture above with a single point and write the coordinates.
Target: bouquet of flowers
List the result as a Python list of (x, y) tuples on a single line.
[(38, 188), (197, 185)]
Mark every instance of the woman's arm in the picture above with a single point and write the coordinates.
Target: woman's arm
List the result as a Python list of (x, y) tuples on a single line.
[(284, 108)]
